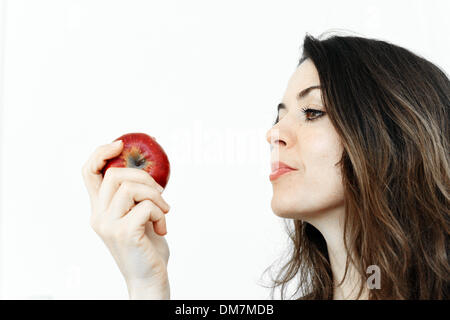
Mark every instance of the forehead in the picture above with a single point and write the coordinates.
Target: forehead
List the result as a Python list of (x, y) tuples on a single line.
[(305, 75)]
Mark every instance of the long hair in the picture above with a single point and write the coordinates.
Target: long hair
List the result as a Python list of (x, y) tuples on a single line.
[(390, 108)]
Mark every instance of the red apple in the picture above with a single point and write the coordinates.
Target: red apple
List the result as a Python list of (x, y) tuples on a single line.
[(142, 152)]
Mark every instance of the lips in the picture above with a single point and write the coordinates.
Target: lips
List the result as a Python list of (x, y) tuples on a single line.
[(279, 168)]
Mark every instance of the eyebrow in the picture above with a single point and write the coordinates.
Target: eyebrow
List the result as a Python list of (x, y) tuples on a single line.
[(302, 94)]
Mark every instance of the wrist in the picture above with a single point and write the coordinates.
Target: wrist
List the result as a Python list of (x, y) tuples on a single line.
[(149, 290)]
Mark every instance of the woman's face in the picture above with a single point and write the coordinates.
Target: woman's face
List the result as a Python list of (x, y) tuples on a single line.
[(311, 147)]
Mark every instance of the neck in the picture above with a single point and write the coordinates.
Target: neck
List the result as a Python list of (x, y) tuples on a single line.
[(331, 226)]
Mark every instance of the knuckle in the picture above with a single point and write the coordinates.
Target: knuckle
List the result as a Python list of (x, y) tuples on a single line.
[(86, 169), (164, 201), (157, 214), (147, 205), (126, 185), (126, 188), (152, 193), (121, 234), (164, 205), (150, 209)]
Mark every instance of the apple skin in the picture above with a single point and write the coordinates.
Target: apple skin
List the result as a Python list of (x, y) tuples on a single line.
[(142, 152)]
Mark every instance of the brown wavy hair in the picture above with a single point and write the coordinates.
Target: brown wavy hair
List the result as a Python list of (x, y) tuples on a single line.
[(390, 108)]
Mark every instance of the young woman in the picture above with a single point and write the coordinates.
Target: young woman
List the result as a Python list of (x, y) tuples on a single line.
[(360, 159)]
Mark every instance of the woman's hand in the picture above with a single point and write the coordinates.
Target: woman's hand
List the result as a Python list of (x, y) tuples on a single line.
[(128, 214)]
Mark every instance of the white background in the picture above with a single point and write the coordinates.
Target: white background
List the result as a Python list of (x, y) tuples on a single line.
[(204, 78)]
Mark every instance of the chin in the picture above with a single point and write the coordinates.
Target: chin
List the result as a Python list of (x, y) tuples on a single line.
[(285, 209), (305, 213), (303, 208)]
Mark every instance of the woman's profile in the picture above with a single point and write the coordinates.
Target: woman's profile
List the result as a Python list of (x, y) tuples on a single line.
[(360, 161)]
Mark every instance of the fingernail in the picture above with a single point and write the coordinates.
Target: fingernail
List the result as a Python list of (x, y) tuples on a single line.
[(116, 143)]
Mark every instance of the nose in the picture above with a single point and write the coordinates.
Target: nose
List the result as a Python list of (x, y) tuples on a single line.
[(274, 136)]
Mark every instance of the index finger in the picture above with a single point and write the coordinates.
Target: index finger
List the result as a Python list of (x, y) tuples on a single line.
[(92, 168), (114, 177)]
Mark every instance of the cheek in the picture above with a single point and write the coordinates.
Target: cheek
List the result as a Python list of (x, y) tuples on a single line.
[(320, 155), (317, 187)]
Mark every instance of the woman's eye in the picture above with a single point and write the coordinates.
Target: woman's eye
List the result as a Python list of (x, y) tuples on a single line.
[(312, 114)]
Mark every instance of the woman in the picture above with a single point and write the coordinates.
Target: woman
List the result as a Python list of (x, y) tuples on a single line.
[(364, 128)]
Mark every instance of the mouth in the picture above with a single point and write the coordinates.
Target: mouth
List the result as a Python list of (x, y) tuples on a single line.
[(274, 175), (279, 169)]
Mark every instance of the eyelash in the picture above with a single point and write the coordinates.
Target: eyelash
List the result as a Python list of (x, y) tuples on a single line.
[(306, 110)]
